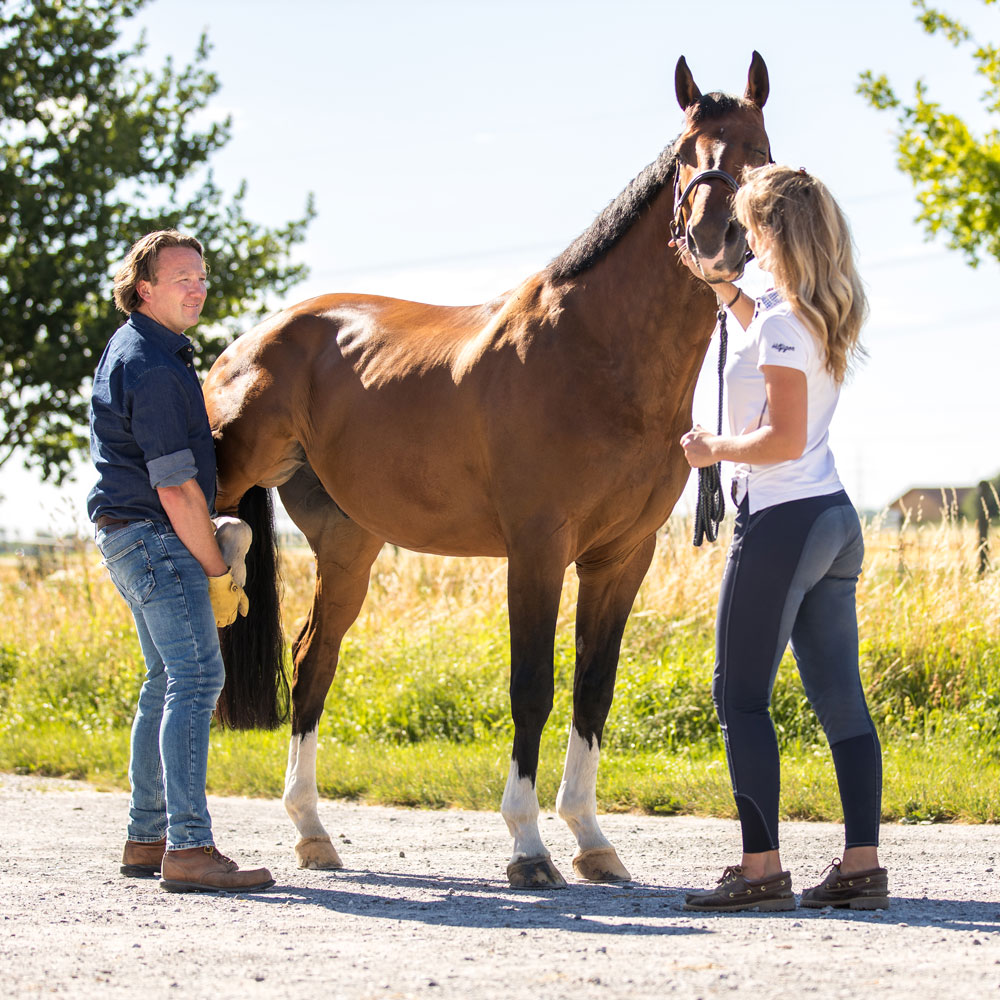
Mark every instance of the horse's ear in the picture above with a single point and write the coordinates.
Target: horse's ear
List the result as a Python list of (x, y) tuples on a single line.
[(757, 82), (687, 90)]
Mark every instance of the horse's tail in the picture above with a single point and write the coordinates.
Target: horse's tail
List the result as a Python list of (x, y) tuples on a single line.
[(255, 695)]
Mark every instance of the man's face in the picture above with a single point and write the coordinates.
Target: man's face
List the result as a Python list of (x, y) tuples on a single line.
[(176, 298)]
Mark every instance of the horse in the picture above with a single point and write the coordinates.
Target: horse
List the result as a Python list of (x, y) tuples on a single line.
[(542, 426)]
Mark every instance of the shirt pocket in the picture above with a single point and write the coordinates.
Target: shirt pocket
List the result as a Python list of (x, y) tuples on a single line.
[(132, 572)]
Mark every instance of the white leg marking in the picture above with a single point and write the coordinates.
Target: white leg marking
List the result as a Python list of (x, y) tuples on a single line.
[(301, 798), (519, 809), (576, 802)]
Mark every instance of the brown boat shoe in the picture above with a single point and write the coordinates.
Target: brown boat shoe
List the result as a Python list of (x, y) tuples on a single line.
[(142, 860), (865, 890), (735, 892), (204, 869)]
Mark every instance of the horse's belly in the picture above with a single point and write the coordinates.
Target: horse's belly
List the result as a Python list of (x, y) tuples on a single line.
[(418, 505)]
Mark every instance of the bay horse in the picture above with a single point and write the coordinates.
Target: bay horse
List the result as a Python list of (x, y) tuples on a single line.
[(542, 426)]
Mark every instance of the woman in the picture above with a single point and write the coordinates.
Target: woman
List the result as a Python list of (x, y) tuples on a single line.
[(797, 545)]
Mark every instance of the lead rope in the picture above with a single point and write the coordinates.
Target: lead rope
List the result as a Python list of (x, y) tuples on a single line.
[(711, 506)]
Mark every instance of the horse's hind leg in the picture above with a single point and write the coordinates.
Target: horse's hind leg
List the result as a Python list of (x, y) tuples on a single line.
[(534, 584), (344, 556), (607, 589)]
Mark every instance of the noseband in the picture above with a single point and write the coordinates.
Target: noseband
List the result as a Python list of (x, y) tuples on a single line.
[(677, 226)]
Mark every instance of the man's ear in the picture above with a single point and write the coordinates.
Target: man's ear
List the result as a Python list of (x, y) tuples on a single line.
[(142, 289)]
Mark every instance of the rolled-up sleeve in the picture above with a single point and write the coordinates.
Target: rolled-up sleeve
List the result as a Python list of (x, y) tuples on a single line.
[(173, 469), (160, 416)]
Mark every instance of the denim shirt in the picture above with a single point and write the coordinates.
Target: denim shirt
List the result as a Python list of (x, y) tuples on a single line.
[(148, 424)]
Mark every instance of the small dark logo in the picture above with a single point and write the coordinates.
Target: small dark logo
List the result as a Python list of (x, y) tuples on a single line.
[(783, 347)]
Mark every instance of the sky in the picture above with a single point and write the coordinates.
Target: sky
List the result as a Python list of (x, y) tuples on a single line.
[(455, 147)]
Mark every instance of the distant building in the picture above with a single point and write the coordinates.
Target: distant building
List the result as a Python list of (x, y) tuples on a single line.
[(930, 503)]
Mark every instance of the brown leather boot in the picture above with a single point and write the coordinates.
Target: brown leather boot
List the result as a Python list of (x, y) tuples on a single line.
[(141, 860), (204, 869)]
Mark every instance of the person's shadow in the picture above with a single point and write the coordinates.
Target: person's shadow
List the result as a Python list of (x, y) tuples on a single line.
[(632, 908)]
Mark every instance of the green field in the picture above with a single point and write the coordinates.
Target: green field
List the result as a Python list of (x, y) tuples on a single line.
[(419, 713)]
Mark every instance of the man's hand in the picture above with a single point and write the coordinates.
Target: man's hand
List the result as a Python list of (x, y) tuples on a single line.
[(228, 599)]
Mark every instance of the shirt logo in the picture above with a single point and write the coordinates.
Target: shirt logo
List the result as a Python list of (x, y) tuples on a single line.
[(782, 348)]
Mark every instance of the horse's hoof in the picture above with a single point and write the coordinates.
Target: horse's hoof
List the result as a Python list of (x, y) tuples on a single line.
[(317, 852), (534, 873), (600, 864)]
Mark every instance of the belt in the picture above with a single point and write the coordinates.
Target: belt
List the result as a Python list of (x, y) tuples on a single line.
[(108, 524)]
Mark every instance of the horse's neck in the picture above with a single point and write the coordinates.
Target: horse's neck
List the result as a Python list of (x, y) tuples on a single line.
[(646, 305)]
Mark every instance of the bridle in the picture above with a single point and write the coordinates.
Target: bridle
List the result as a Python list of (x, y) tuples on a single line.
[(677, 225), (710, 507)]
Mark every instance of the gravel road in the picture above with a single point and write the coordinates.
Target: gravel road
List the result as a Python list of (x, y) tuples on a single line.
[(424, 910)]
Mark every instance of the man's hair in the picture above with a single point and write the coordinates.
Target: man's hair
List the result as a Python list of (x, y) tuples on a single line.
[(140, 265)]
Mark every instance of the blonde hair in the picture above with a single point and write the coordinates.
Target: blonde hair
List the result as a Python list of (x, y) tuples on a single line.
[(812, 256), (140, 265)]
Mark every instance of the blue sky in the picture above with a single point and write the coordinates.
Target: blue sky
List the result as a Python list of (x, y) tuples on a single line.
[(455, 147)]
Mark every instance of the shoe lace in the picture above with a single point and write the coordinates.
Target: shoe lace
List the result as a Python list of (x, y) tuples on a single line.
[(219, 856), (836, 863), (731, 872)]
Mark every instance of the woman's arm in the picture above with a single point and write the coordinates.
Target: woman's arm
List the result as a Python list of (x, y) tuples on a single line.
[(780, 440), (742, 308), (740, 304)]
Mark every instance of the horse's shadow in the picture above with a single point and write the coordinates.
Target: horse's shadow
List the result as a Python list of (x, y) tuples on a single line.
[(613, 909), (476, 902)]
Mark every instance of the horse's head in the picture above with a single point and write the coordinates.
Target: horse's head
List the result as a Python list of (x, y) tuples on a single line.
[(722, 136)]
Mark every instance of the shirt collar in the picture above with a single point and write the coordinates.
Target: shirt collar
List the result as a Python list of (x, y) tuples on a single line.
[(147, 327)]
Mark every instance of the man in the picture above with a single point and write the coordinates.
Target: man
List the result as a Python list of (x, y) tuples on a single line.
[(152, 445)]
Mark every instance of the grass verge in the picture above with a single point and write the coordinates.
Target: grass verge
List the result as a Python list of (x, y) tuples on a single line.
[(419, 714)]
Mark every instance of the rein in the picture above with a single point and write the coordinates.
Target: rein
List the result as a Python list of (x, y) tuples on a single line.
[(711, 505)]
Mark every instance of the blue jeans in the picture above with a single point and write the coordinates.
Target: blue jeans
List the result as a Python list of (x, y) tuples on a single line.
[(791, 574), (167, 592)]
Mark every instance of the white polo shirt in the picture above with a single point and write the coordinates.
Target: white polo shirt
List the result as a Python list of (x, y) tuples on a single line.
[(777, 337)]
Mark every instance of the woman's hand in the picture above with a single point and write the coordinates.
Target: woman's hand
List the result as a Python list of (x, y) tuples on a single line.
[(684, 255), (697, 445)]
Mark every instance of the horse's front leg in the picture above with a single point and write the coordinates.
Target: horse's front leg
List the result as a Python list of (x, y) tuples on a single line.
[(534, 584), (608, 586)]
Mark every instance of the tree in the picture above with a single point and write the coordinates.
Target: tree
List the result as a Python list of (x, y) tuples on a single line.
[(95, 151), (956, 173)]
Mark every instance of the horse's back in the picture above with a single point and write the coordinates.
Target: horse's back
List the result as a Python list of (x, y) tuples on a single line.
[(365, 389)]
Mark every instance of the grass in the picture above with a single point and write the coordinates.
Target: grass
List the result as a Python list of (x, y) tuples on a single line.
[(419, 712)]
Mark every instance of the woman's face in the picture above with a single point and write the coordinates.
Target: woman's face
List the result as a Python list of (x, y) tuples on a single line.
[(760, 243)]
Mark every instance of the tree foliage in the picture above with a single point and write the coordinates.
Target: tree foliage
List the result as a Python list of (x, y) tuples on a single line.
[(955, 171), (96, 150)]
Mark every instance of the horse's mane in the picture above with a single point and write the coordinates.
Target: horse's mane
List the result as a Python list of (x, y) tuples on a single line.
[(623, 212)]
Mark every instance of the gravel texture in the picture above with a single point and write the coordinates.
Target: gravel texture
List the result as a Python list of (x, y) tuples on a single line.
[(424, 910)]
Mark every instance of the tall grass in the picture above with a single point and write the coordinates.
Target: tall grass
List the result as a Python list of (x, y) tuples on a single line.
[(419, 711)]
